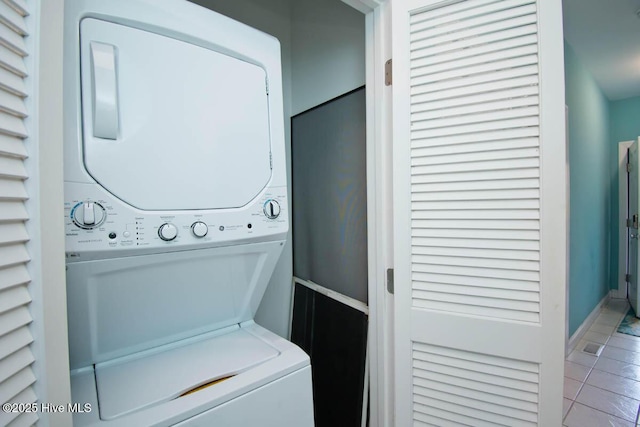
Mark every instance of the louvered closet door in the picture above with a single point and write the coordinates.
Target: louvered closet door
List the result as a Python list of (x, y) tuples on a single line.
[(479, 211), (16, 375)]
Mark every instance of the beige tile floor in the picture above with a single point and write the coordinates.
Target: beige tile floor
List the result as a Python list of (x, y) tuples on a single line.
[(604, 390)]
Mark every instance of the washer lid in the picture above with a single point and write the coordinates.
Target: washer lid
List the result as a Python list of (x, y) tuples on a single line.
[(130, 385), (168, 125)]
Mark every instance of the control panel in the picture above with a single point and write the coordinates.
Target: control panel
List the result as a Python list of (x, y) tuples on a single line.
[(99, 225)]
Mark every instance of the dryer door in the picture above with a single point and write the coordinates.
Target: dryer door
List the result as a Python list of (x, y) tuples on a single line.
[(168, 125)]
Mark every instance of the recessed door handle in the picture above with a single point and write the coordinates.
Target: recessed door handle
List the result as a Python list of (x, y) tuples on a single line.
[(105, 90)]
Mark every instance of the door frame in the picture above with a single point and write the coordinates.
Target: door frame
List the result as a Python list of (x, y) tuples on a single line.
[(623, 231), (379, 210), (45, 228), (379, 207)]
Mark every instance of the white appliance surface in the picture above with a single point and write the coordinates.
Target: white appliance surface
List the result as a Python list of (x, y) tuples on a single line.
[(189, 367), (126, 305), (193, 123), (285, 402), (272, 384), (174, 130), (175, 216)]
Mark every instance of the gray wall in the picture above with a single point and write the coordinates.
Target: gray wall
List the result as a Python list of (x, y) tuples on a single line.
[(337, 50), (328, 48)]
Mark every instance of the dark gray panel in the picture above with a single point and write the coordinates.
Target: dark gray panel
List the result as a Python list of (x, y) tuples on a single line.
[(329, 195), (335, 337)]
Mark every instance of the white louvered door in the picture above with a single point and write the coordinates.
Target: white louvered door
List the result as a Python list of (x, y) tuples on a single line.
[(479, 212), (16, 358)]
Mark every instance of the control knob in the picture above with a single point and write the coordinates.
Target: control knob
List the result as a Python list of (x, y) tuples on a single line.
[(167, 231), (271, 209), (199, 229), (88, 215)]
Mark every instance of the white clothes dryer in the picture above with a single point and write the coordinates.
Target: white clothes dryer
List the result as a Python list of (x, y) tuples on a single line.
[(175, 214)]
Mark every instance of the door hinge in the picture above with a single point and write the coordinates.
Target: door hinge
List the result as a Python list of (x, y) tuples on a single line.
[(629, 167), (627, 278), (390, 287), (387, 73), (629, 223)]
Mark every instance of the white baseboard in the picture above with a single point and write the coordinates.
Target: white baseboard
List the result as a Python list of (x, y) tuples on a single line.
[(577, 335)]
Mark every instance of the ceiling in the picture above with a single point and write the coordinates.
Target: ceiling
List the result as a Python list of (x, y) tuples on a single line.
[(605, 35)]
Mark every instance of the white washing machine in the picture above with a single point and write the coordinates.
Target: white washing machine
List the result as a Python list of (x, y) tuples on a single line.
[(176, 214)]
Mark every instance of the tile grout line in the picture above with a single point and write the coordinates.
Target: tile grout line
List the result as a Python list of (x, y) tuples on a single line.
[(568, 410), (610, 373), (600, 410), (604, 412)]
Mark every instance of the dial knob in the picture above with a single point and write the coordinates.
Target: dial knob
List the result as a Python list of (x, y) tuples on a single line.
[(199, 229), (88, 215), (167, 231), (271, 209)]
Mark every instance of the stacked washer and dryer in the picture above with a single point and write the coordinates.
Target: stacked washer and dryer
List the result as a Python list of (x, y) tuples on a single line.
[(176, 214)]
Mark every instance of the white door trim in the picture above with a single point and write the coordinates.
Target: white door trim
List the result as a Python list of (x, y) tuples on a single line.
[(553, 233), (568, 228), (45, 207), (379, 241), (379, 196), (623, 189)]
